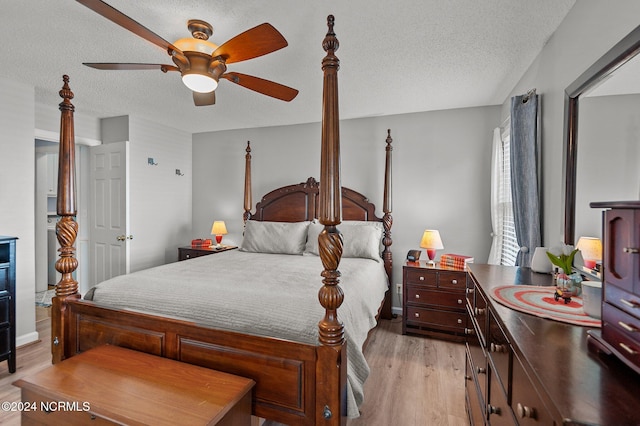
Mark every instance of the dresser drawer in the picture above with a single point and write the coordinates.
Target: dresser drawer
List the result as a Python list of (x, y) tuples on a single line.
[(421, 296), (627, 347), (4, 309), (4, 278), (498, 410), (479, 315), (478, 364), (499, 351), (622, 299), (5, 341), (454, 321), (452, 280), (526, 404), (625, 323), (422, 277), (475, 406)]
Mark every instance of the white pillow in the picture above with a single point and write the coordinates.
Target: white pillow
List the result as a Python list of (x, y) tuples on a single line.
[(274, 237), (361, 239)]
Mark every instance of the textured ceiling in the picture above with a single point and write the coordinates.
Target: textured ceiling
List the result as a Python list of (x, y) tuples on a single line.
[(396, 57)]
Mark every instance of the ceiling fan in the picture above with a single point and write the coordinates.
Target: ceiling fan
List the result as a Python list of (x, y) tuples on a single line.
[(200, 62)]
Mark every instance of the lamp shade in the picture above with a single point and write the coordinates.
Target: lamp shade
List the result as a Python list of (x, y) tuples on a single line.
[(431, 241), (591, 250), (218, 228)]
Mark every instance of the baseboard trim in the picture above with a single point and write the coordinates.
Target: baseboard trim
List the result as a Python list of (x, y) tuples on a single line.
[(396, 311), (25, 339)]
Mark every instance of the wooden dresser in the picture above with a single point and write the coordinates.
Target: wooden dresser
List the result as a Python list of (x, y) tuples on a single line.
[(522, 369), (110, 385), (433, 301), (620, 334), (8, 301)]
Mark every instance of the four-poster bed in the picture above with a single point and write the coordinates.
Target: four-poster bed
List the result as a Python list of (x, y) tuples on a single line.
[(296, 382)]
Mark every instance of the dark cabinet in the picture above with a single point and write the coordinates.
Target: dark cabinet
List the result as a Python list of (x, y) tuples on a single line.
[(620, 334), (434, 301), (8, 301)]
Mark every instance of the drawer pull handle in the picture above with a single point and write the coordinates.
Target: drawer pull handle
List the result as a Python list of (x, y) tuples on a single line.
[(524, 411), (421, 278), (454, 281), (417, 315), (417, 296), (630, 303), (631, 250), (481, 370), (459, 301), (628, 348), (497, 348), (470, 291), (479, 311), (469, 331), (493, 409), (628, 327), (459, 321)]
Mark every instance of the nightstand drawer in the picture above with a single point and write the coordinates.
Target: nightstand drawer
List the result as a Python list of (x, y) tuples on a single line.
[(418, 276), (452, 280), (454, 321), (424, 297)]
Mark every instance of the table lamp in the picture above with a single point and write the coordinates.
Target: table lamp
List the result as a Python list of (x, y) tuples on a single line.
[(218, 229), (431, 241), (591, 250)]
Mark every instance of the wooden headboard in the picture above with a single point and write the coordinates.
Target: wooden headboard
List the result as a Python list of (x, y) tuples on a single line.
[(296, 203)]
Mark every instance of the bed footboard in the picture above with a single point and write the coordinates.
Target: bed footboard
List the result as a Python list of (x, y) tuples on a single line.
[(284, 371)]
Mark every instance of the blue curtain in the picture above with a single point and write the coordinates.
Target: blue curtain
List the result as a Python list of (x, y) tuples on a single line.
[(524, 175)]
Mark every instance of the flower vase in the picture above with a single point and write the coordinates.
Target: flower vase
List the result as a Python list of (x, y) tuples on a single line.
[(569, 284)]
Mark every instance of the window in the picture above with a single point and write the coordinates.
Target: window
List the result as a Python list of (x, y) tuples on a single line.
[(504, 248), (507, 231)]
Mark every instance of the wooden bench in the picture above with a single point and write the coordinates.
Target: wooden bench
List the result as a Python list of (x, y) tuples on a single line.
[(113, 385)]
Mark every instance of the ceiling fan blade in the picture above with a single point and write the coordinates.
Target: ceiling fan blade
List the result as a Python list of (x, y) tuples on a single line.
[(117, 66), (252, 43), (266, 87), (204, 99), (124, 21)]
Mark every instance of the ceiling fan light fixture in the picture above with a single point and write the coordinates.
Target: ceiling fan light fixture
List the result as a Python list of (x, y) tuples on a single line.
[(201, 83), (195, 45)]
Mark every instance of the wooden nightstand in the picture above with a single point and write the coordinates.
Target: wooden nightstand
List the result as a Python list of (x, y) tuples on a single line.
[(433, 301), (190, 252)]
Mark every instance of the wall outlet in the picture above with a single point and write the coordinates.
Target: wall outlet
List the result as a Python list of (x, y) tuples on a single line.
[(399, 288)]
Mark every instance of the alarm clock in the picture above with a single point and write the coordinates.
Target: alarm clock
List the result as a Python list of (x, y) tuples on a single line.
[(413, 255)]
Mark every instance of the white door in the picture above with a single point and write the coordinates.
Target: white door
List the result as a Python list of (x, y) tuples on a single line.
[(110, 237)]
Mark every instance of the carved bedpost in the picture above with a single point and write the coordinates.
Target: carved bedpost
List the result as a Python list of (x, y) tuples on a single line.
[(247, 183), (67, 227), (331, 366), (387, 221)]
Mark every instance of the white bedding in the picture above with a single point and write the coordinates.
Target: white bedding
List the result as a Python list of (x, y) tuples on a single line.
[(271, 295)]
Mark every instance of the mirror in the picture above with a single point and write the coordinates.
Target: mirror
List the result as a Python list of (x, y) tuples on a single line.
[(609, 127)]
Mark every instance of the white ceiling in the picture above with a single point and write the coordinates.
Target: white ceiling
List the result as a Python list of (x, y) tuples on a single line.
[(396, 57)]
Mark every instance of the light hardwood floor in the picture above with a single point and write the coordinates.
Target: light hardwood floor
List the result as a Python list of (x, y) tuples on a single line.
[(413, 381)]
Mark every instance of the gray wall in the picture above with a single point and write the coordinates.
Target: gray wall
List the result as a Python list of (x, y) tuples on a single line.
[(17, 187), (608, 156), (441, 174), (589, 30)]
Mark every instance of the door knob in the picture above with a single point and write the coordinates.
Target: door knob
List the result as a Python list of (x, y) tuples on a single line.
[(121, 238)]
